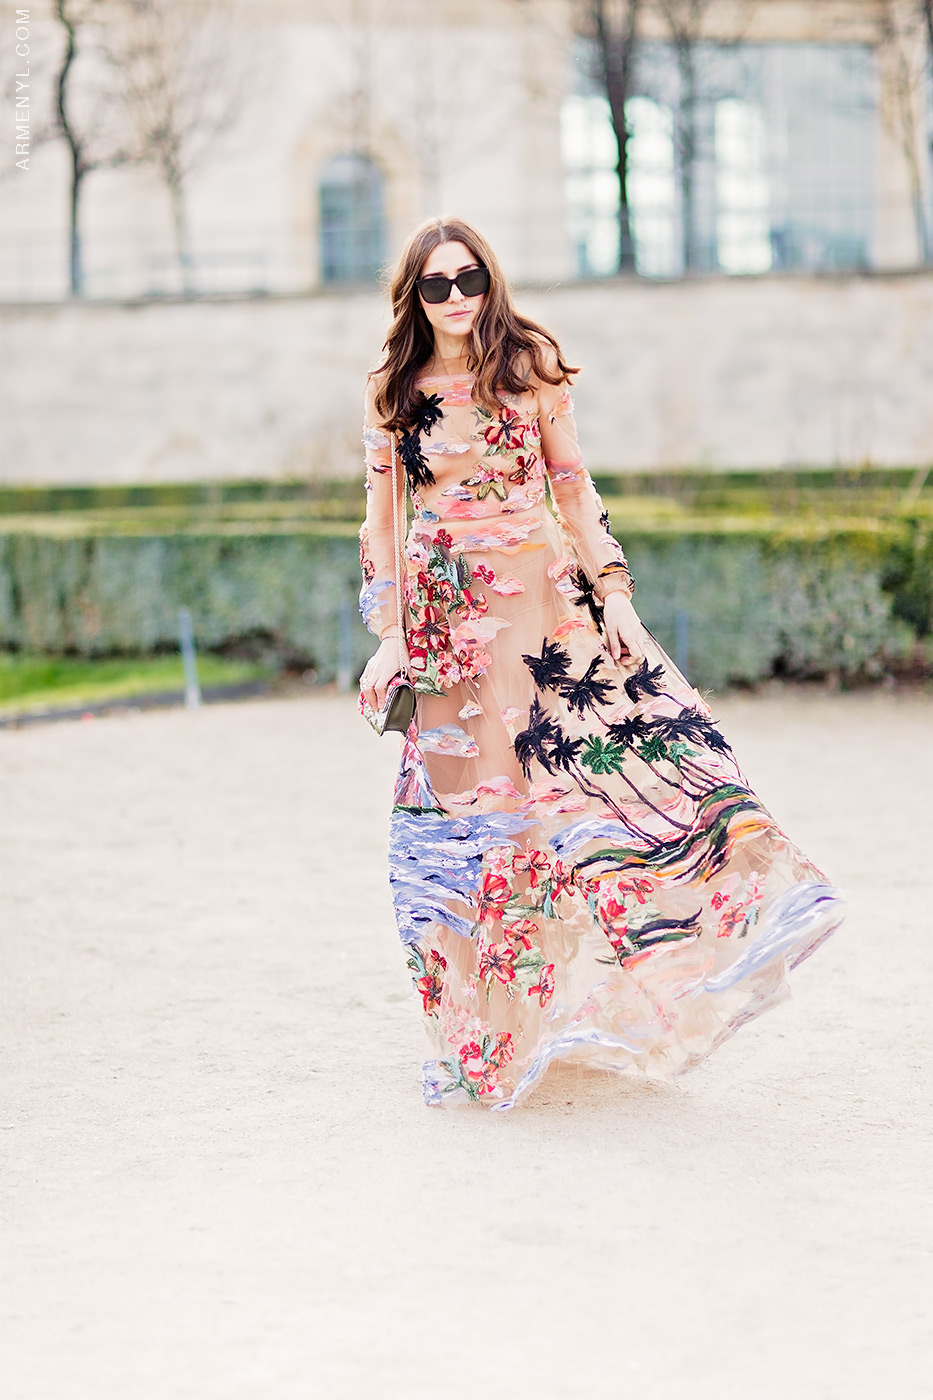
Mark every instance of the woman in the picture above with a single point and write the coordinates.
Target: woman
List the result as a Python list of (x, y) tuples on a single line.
[(579, 868)]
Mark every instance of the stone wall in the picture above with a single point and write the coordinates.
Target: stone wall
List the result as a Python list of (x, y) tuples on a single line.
[(718, 372)]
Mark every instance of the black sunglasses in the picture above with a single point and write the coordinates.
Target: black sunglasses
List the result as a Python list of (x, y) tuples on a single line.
[(472, 283)]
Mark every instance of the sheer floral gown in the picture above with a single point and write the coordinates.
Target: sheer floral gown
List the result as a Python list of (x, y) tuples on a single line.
[(579, 867)]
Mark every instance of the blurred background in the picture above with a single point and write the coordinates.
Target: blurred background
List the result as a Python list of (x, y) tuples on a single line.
[(723, 209)]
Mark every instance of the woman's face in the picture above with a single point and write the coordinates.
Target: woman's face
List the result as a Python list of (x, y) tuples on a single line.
[(456, 315)]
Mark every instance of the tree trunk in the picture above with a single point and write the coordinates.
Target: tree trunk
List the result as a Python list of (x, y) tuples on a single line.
[(78, 171), (928, 17), (182, 234), (686, 151), (920, 213), (626, 240), (75, 258), (616, 60)]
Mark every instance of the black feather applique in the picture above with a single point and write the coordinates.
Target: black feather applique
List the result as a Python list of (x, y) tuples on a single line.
[(427, 413), (587, 598), (413, 460)]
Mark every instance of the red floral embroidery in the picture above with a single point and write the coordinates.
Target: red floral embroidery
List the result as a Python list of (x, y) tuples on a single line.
[(523, 469), (731, 920), (481, 572), (473, 662), (432, 632), (638, 888), (498, 960), (535, 862), (545, 986), (611, 911), (448, 670), (482, 1069), (493, 894), (503, 1050), (431, 984), (522, 932), (561, 880), (507, 431), (474, 607)]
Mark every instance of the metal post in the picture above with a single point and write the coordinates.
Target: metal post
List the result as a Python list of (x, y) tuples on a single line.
[(682, 640), (344, 646), (189, 659)]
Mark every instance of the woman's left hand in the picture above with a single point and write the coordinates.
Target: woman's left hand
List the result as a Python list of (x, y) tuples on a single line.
[(624, 633)]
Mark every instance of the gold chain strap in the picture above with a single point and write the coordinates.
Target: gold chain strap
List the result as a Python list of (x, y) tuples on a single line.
[(398, 553)]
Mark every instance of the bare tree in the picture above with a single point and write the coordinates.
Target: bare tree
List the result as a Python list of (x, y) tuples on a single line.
[(904, 30), (684, 21), (926, 9), (87, 115), (615, 25), (184, 81)]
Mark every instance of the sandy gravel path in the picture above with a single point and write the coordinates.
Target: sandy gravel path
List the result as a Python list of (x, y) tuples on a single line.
[(219, 1181)]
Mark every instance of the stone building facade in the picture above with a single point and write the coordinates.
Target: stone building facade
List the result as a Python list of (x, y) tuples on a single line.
[(390, 110), (354, 119)]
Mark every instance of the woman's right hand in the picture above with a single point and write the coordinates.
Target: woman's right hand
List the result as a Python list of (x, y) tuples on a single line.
[(379, 670)]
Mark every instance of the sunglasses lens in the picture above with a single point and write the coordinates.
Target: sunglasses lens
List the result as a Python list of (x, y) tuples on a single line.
[(434, 289), (474, 282)]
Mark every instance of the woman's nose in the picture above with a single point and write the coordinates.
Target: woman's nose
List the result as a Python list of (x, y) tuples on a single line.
[(455, 293)]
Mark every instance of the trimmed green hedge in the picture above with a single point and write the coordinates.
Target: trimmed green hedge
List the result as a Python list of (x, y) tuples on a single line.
[(758, 607), (755, 596), (274, 594)]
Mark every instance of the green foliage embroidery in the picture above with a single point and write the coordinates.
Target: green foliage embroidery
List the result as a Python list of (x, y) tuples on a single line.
[(601, 756)]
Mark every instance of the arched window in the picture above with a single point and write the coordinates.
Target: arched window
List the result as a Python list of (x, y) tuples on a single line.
[(352, 220)]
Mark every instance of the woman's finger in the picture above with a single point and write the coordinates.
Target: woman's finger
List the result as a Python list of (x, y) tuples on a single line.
[(629, 649), (636, 649), (368, 690)]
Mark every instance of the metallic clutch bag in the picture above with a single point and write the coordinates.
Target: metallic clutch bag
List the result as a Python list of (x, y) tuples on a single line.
[(399, 709)]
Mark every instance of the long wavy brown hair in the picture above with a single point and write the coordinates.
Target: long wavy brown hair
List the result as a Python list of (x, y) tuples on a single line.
[(505, 350)]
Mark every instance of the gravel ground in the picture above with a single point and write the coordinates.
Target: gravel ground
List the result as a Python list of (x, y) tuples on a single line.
[(219, 1179)]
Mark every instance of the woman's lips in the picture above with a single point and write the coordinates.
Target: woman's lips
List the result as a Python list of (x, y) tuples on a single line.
[(458, 314)]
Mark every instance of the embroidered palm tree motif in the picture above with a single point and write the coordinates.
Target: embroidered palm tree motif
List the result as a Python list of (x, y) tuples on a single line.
[(549, 670)]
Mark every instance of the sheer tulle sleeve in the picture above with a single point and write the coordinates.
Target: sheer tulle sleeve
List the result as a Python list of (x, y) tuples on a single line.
[(576, 501), (377, 535)]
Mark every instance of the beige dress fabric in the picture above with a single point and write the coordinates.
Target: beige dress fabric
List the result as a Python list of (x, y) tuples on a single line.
[(579, 867)]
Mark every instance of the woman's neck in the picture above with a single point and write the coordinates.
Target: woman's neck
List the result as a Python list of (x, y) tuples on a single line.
[(451, 354)]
